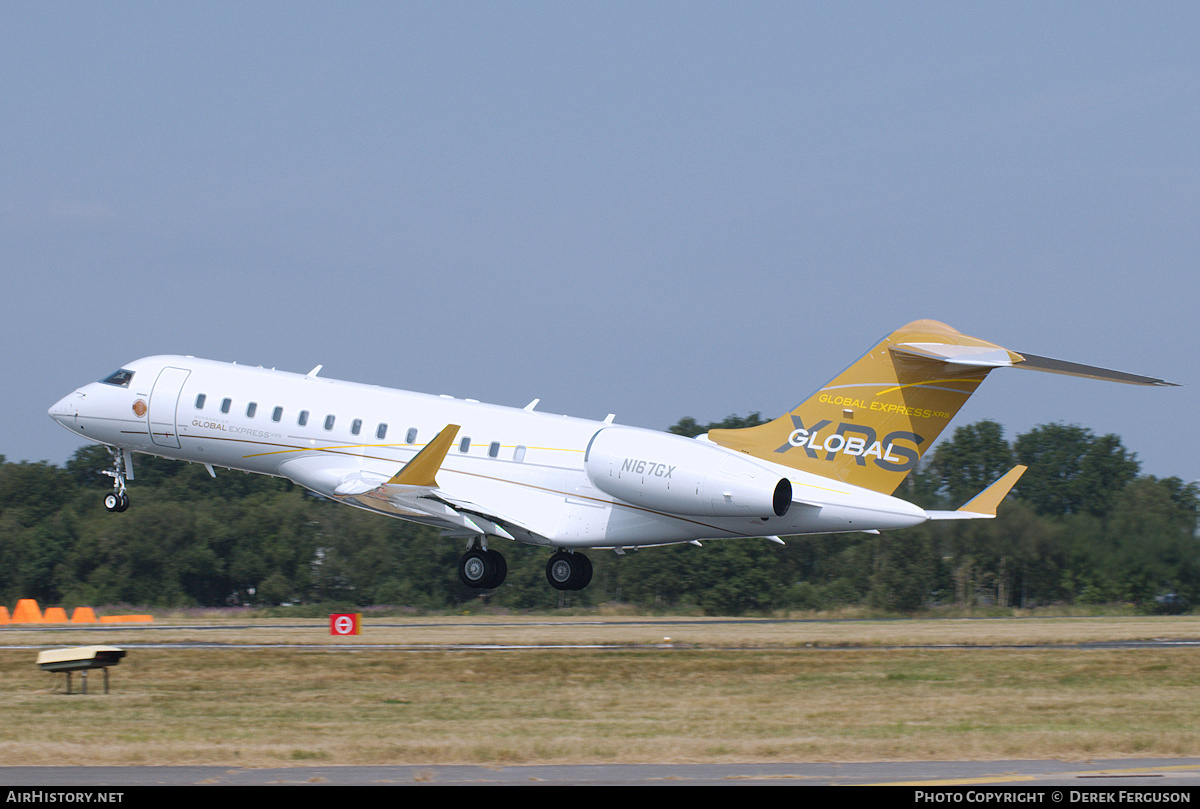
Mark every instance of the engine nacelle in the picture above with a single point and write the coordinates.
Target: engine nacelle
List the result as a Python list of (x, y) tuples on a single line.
[(683, 476)]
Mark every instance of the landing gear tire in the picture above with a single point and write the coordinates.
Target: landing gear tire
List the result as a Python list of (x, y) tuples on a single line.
[(568, 571), (116, 501), (501, 566), (482, 570)]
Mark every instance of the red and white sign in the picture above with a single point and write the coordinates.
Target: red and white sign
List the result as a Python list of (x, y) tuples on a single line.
[(347, 623)]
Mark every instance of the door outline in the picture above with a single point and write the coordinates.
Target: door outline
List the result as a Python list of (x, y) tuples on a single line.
[(164, 402)]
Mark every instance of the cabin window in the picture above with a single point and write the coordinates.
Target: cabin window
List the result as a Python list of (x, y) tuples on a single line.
[(494, 449), (356, 427), (303, 418), (119, 378), (519, 454), (277, 414), (411, 438), (329, 422), (381, 432), (200, 401), (226, 404), (251, 409), (464, 445)]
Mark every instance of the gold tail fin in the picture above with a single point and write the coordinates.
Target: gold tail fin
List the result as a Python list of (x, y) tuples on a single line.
[(871, 424)]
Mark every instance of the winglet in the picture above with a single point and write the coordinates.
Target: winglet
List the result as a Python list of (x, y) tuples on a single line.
[(420, 471)]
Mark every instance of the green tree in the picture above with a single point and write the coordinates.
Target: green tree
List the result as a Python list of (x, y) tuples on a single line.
[(687, 426), (904, 570), (971, 461), (1149, 545), (1072, 471), (31, 492)]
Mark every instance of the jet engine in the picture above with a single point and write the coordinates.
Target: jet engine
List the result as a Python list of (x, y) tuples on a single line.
[(681, 475)]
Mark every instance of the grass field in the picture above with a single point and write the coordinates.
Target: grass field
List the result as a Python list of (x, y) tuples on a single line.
[(715, 691)]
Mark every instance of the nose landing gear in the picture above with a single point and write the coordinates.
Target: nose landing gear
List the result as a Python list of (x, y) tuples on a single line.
[(118, 500)]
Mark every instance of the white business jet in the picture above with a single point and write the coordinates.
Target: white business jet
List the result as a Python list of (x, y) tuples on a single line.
[(483, 472)]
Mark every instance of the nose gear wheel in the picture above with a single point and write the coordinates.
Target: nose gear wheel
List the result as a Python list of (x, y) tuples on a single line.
[(116, 500)]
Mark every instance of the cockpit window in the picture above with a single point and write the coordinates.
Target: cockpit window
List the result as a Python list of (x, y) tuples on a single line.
[(119, 378)]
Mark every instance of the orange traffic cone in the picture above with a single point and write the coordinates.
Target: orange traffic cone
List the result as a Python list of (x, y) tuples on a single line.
[(83, 615), (27, 612), (54, 615)]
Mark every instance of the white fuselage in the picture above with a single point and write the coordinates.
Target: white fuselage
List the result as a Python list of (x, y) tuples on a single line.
[(521, 469)]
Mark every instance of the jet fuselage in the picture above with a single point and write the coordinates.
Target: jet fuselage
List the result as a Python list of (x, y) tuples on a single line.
[(527, 468)]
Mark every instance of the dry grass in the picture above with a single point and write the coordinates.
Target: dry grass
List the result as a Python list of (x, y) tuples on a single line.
[(756, 692), (627, 630)]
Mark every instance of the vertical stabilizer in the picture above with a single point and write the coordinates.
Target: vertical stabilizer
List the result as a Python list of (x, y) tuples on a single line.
[(872, 423)]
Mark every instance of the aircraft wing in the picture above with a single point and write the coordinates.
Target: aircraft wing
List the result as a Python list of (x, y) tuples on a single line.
[(983, 505), (413, 493)]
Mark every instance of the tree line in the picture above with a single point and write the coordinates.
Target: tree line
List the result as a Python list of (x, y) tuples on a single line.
[(1083, 526)]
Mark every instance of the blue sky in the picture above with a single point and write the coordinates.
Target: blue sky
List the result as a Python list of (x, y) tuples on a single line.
[(656, 210)]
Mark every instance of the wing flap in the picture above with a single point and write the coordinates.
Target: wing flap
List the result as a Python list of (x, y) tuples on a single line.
[(413, 492), (433, 506)]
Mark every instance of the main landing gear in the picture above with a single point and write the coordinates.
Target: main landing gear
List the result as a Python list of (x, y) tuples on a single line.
[(568, 570), (117, 500), (482, 568)]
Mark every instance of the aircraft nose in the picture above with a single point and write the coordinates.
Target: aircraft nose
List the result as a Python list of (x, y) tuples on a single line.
[(66, 409)]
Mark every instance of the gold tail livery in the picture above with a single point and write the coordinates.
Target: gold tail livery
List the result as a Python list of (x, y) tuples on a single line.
[(484, 473)]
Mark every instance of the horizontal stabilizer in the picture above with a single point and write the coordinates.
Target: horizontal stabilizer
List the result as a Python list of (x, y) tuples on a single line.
[(968, 355), (995, 357), (983, 505), (1032, 362)]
